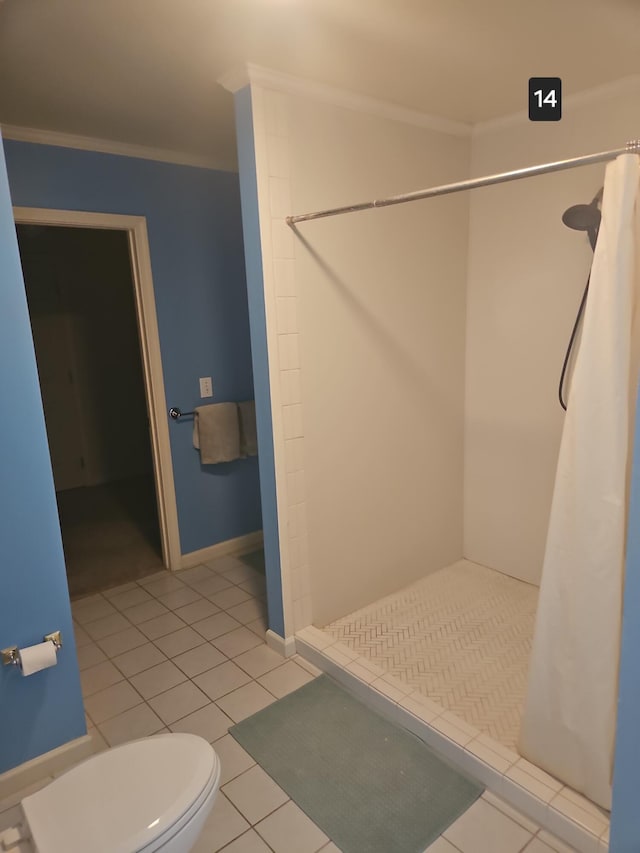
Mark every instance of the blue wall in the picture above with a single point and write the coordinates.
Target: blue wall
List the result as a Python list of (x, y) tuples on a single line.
[(625, 814), (258, 322), (45, 710), (195, 237)]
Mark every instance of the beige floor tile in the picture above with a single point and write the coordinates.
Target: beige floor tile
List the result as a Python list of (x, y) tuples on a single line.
[(255, 794), (81, 636), (484, 829), (98, 742), (212, 585), (229, 597), (195, 574), (221, 679), (89, 609), (236, 641), (89, 655), (162, 585), (248, 611), (179, 598), (537, 846), (441, 845), (177, 702), (245, 701), (216, 625), (107, 625), (250, 842), (233, 758), (140, 721), (224, 824), (160, 575), (98, 677), (238, 572), (157, 679), (329, 848), (144, 612), (139, 659), (178, 642), (123, 641), (289, 830), (285, 679), (254, 586), (117, 590), (129, 598), (259, 660), (199, 660), (168, 623), (112, 701), (259, 626), (209, 722), (224, 563), (197, 611)]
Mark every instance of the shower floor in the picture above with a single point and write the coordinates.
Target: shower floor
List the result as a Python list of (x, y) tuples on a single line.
[(461, 636)]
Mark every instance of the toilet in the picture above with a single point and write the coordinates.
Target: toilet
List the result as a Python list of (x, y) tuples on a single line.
[(147, 795)]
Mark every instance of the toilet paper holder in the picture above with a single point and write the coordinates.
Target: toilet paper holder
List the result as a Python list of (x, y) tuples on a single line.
[(11, 656)]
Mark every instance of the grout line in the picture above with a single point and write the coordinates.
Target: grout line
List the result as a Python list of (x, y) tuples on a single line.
[(288, 800), (246, 832), (226, 659)]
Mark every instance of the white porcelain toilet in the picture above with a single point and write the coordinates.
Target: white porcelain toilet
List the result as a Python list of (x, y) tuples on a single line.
[(152, 794)]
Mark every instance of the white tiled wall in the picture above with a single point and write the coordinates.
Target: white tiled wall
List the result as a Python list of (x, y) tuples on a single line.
[(271, 129)]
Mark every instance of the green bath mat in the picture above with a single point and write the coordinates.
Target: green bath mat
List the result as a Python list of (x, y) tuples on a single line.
[(371, 786)]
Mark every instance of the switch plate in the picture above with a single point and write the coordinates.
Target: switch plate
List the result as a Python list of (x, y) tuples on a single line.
[(206, 386)]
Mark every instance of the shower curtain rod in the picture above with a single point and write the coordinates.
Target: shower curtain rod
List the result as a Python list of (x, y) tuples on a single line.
[(632, 147)]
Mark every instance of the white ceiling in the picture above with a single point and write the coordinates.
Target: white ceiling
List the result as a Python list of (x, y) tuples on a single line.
[(145, 71)]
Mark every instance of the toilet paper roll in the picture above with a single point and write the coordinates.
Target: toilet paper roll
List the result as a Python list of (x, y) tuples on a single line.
[(35, 658)]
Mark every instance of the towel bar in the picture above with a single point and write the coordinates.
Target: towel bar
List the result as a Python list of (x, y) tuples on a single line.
[(176, 413)]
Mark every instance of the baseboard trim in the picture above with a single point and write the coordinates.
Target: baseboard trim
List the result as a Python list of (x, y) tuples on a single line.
[(48, 764), (239, 545), (286, 646)]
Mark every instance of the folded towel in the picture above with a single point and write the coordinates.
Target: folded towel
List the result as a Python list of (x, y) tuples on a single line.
[(248, 434), (216, 433)]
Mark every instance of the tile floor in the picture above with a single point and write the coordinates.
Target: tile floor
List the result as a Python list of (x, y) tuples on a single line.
[(462, 636), (186, 652)]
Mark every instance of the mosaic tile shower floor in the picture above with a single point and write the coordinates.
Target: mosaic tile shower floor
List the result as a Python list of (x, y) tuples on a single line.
[(461, 636)]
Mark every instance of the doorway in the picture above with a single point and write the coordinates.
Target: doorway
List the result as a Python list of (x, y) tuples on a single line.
[(97, 378)]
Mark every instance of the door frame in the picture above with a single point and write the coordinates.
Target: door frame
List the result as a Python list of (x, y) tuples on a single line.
[(147, 323)]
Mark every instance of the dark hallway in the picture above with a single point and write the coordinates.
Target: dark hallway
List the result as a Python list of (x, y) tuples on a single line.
[(83, 317)]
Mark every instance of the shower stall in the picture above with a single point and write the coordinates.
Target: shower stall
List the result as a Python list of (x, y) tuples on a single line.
[(414, 358)]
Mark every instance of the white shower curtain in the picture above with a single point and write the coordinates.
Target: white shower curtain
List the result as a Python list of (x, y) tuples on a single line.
[(568, 725)]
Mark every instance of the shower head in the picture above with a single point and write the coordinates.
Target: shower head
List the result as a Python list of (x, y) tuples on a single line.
[(585, 217)]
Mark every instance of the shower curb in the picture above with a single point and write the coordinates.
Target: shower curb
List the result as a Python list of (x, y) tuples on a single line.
[(538, 796)]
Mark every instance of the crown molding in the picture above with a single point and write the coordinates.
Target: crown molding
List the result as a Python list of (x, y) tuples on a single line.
[(625, 85), (248, 74), (107, 146), (235, 79)]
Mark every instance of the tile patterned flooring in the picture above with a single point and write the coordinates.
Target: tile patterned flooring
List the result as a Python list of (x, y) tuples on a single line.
[(186, 652), (461, 636)]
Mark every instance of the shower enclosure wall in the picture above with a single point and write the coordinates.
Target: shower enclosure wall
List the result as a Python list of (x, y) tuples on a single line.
[(414, 352)]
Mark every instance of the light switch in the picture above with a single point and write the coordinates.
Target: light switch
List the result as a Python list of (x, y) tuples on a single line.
[(206, 386)]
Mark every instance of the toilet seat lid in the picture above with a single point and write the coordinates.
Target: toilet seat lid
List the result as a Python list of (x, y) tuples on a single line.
[(123, 799)]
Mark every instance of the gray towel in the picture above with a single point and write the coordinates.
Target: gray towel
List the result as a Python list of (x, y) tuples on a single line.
[(248, 434), (216, 433)]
